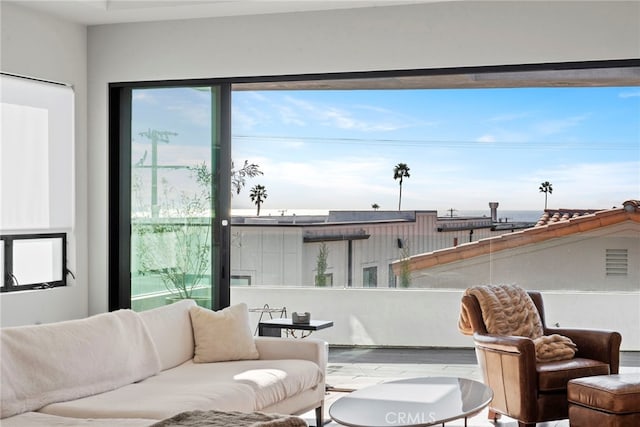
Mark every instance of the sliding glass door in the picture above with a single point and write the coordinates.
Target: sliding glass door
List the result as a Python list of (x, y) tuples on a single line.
[(170, 159)]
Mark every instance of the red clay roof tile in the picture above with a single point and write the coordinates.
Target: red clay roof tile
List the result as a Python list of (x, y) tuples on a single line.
[(552, 224)]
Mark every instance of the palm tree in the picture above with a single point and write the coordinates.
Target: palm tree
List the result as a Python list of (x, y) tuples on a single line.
[(258, 194), (401, 170), (239, 176), (375, 206), (546, 188)]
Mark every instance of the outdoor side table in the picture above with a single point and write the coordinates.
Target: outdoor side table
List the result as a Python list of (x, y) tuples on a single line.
[(274, 327), (265, 309)]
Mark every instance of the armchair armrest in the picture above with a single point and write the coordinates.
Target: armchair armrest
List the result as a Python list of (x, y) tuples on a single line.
[(312, 349), (506, 344), (594, 344), (509, 367)]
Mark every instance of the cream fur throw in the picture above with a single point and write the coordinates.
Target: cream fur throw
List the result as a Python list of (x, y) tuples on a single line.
[(68, 360), (554, 347), (230, 419), (509, 310)]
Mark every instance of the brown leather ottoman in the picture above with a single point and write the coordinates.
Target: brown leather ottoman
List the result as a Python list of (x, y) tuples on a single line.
[(604, 401)]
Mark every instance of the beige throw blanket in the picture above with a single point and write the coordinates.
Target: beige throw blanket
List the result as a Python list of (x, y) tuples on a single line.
[(230, 419), (509, 310)]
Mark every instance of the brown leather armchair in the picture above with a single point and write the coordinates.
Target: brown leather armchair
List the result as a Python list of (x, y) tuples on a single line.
[(531, 391)]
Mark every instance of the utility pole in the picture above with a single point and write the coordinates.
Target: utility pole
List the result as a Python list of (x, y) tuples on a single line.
[(155, 136)]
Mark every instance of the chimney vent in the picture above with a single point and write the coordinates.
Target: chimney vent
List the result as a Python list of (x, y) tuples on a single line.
[(494, 211)]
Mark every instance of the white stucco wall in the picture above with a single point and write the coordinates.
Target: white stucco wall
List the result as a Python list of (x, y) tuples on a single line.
[(575, 262), (429, 318), (570, 272), (275, 255), (37, 45)]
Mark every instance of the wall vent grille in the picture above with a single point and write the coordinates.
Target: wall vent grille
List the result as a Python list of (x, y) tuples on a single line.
[(616, 262)]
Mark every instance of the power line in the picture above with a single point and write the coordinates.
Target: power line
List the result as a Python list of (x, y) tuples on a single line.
[(581, 145)]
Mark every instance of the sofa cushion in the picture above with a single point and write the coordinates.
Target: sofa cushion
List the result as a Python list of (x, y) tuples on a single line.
[(276, 381), (222, 335), (170, 329), (157, 401), (68, 360), (554, 376), (247, 385), (270, 380), (618, 394)]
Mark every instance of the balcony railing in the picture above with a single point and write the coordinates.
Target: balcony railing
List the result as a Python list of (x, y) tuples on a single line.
[(428, 317)]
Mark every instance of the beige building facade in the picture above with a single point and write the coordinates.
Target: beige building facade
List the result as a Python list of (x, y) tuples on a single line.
[(360, 245), (589, 252)]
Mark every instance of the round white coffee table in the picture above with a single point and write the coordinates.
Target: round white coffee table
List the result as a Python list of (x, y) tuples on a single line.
[(413, 402)]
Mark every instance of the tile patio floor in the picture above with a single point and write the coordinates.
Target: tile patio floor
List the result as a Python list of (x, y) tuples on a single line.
[(346, 372)]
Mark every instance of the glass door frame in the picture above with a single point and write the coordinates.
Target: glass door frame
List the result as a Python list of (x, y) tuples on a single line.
[(119, 152), (119, 193)]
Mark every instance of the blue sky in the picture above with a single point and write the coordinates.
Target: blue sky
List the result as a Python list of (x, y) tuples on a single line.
[(336, 149)]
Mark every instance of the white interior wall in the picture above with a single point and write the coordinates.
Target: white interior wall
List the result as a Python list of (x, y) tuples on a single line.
[(402, 37), (436, 35), (36, 45)]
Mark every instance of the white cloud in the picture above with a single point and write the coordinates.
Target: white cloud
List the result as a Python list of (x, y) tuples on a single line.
[(293, 144), (329, 116), (252, 110), (550, 127), (592, 185), (582, 186), (343, 183), (242, 120), (197, 114), (290, 116), (486, 138), (330, 176), (144, 96), (359, 117), (256, 96), (509, 117), (629, 94)]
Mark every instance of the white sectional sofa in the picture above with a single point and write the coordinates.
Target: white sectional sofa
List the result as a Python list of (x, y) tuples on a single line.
[(134, 369)]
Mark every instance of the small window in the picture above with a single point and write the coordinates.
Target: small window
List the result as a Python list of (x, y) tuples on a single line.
[(393, 280), (616, 262), (370, 277), (240, 280), (33, 261), (329, 279)]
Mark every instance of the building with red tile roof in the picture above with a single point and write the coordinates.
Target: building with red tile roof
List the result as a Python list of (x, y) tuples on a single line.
[(550, 215), (570, 249)]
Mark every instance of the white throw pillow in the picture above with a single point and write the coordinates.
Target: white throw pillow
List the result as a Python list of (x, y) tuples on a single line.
[(222, 335), (172, 333)]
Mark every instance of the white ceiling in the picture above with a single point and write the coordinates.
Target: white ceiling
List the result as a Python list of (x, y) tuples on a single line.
[(94, 12)]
